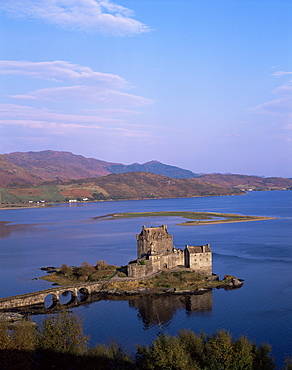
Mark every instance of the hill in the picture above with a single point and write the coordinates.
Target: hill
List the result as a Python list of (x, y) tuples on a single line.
[(9, 173), (36, 168), (245, 182), (131, 185), (155, 167), (51, 165), (137, 185)]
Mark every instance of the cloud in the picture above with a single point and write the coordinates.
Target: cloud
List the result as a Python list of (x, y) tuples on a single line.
[(101, 16), (88, 85), (98, 101), (18, 115), (86, 93), (284, 90), (281, 73), (275, 107), (282, 106), (61, 71), (114, 112)]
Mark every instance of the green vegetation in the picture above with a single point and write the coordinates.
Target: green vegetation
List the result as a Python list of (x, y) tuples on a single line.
[(6, 197), (60, 343), (181, 279), (24, 194), (202, 218), (86, 272)]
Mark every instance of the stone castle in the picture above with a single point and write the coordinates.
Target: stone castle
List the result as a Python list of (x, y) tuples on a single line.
[(155, 252)]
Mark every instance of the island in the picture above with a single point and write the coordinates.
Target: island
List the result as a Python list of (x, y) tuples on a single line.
[(194, 218), (160, 268)]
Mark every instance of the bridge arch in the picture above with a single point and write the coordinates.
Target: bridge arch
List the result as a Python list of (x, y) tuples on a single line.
[(51, 300), (83, 294), (67, 297)]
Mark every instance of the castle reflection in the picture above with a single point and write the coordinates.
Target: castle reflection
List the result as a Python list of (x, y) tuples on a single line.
[(159, 310), (153, 310)]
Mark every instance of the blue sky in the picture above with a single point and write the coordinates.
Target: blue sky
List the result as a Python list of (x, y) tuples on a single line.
[(204, 85)]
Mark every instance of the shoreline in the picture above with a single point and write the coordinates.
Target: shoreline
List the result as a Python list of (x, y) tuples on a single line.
[(198, 223), (113, 289)]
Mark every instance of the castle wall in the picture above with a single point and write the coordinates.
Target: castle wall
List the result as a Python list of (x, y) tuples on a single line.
[(168, 260), (156, 262), (136, 270), (199, 259), (153, 240)]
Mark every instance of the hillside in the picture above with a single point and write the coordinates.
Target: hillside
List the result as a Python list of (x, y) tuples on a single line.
[(9, 173), (36, 168), (155, 167), (248, 182), (131, 185), (51, 165)]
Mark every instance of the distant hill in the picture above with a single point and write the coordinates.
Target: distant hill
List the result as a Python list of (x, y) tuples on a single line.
[(245, 182), (35, 168), (51, 165), (133, 185), (155, 167), (9, 173), (130, 185)]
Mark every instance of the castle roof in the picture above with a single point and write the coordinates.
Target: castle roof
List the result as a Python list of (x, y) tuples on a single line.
[(154, 229), (198, 248)]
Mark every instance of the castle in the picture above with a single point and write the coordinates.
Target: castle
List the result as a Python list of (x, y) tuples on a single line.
[(156, 252)]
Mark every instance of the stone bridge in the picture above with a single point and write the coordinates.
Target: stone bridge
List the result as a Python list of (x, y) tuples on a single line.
[(79, 292)]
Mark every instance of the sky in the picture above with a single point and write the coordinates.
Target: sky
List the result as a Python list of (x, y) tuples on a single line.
[(205, 85)]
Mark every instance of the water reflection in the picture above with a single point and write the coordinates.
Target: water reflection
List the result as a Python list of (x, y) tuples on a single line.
[(6, 229), (154, 310), (159, 310)]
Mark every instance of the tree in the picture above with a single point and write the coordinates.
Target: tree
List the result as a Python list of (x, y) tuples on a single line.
[(101, 265), (61, 336), (64, 269), (165, 353)]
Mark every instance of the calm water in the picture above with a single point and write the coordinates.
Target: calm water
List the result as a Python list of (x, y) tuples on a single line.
[(259, 252)]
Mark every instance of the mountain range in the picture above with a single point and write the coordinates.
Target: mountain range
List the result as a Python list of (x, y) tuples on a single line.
[(59, 176), (48, 165)]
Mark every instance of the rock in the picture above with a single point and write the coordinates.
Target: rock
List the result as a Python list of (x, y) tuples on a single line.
[(236, 282), (11, 317), (184, 291), (142, 289), (169, 290), (15, 319), (213, 277), (131, 292), (49, 268)]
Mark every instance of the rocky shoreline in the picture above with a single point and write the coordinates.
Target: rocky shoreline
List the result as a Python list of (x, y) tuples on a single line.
[(227, 284)]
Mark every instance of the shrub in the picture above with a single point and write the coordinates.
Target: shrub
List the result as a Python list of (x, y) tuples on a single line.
[(101, 265), (64, 269)]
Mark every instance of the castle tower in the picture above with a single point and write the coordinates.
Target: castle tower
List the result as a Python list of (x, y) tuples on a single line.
[(153, 240)]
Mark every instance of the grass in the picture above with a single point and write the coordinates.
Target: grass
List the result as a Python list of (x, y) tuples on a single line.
[(182, 280), (34, 193), (74, 275)]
